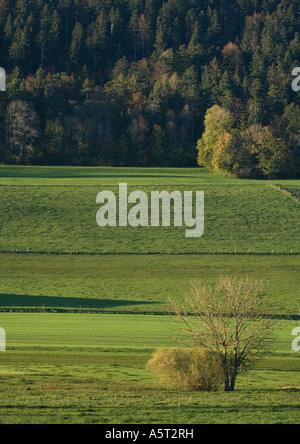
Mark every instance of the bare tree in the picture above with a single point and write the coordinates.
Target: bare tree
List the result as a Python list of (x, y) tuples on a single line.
[(228, 318), (22, 129)]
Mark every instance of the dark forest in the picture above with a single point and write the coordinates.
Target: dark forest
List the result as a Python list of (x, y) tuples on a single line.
[(152, 83)]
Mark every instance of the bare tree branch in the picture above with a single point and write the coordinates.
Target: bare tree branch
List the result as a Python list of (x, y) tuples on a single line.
[(227, 318)]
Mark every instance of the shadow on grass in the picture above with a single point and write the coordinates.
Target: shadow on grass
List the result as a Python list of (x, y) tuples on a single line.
[(13, 300), (21, 174)]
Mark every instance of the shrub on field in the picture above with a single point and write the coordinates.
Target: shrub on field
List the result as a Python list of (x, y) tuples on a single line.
[(191, 369)]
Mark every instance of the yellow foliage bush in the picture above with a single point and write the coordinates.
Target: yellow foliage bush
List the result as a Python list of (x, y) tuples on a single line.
[(190, 369)]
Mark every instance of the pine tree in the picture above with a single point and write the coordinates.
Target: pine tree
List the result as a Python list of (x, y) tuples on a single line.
[(76, 47), (43, 37), (19, 48)]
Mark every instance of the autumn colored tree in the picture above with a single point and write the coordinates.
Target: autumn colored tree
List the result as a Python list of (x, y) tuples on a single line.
[(217, 122), (275, 158)]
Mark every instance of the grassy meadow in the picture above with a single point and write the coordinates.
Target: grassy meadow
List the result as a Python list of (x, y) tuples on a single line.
[(57, 213), (62, 368), (84, 307), (135, 283)]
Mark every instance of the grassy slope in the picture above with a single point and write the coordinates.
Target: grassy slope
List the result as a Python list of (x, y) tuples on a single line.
[(50, 213), (294, 190)]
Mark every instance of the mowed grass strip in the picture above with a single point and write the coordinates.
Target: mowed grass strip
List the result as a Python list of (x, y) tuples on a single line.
[(136, 283), (89, 176), (245, 218), (68, 333)]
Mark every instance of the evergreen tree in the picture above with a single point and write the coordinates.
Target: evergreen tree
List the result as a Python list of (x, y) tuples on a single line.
[(76, 48), (153, 69)]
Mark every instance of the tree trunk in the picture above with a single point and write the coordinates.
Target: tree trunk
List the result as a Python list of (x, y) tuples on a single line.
[(231, 385), (227, 382), (230, 380)]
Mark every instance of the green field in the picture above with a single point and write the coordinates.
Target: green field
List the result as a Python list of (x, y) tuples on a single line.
[(85, 307), (136, 283), (64, 368), (52, 210)]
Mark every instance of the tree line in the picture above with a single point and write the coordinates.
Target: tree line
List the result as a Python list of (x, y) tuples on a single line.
[(135, 83)]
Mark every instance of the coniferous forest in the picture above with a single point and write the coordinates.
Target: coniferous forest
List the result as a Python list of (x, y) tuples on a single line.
[(152, 83)]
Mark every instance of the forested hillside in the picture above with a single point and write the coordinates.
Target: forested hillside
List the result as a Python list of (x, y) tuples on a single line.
[(132, 83)]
